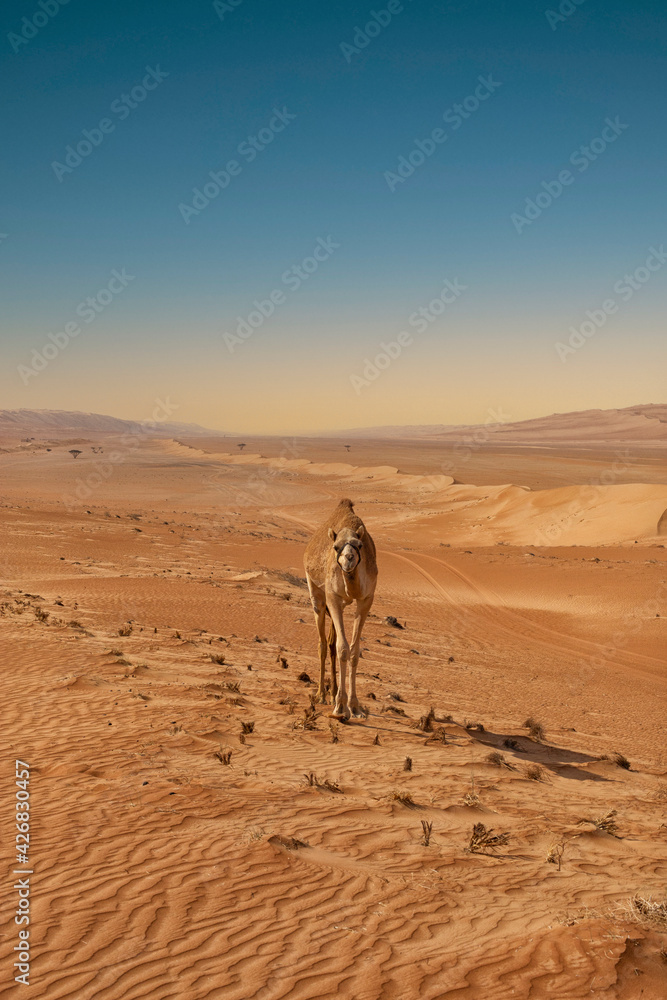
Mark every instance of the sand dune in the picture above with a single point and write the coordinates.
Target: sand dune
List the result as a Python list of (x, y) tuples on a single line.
[(143, 625), (639, 425)]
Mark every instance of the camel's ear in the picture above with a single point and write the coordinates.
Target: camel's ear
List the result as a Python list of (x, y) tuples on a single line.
[(332, 534), (360, 531)]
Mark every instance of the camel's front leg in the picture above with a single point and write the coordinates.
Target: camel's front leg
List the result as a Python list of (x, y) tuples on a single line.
[(363, 607), (336, 607)]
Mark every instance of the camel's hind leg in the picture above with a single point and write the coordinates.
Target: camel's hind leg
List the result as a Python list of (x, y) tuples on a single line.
[(332, 654), (320, 609)]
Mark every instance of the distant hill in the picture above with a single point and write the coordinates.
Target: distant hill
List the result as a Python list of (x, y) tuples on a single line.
[(56, 423), (638, 425)]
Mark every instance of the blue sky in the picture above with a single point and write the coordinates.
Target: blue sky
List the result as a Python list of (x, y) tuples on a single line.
[(225, 73)]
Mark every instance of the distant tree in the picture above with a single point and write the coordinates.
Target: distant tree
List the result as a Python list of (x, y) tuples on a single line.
[(241, 446), (347, 447), (75, 453)]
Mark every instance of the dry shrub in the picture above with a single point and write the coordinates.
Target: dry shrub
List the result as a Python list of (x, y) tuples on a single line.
[(247, 727), (314, 782), (555, 854), (606, 823), (303, 676), (407, 764), (224, 756), (334, 729), (233, 686), (425, 723), (482, 840), (376, 741), (651, 910), (617, 758), (123, 630), (512, 744), (218, 658), (404, 798), (438, 736), (41, 615), (535, 772), (428, 830), (394, 710), (395, 696), (471, 799), (477, 726), (289, 702), (495, 757), (535, 730), (309, 720)]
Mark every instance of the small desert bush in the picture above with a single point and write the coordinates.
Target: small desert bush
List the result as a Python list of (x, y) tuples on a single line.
[(427, 831), (617, 758), (482, 840), (425, 723), (535, 730), (403, 797), (218, 658), (407, 764), (41, 615), (314, 782), (247, 727), (535, 772), (651, 910), (125, 630), (233, 686), (224, 756), (606, 823), (495, 757), (477, 726), (555, 854), (334, 730), (438, 736)]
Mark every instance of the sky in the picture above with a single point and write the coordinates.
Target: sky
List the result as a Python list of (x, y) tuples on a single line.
[(293, 217)]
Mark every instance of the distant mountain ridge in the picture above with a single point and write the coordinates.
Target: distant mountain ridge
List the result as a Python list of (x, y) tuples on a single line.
[(645, 424), (57, 422)]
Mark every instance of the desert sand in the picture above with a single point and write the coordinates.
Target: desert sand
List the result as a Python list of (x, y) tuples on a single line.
[(200, 829)]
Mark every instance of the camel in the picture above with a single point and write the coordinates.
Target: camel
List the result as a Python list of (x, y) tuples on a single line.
[(341, 568)]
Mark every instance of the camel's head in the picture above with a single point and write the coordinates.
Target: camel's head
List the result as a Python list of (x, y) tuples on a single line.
[(347, 547)]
